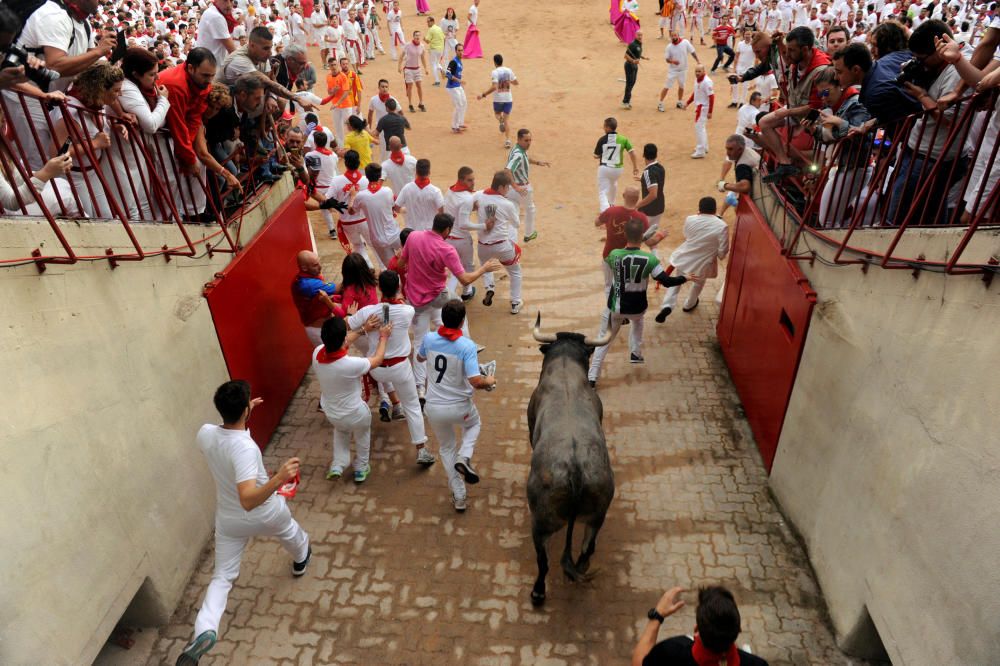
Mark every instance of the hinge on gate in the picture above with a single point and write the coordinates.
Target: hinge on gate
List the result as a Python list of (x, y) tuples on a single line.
[(40, 265), (111, 258), (916, 269), (988, 275)]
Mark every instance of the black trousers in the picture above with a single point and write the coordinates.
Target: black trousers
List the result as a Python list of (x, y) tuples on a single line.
[(631, 74), (720, 51)]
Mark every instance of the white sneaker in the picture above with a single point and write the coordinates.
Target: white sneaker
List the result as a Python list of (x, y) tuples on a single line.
[(697, 156), (425, 457), (659, 107), (516, 307), (460, 505)]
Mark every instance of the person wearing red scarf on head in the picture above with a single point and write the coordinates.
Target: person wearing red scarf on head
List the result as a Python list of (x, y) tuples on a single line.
[(215, 30), (420, 201), (400, 168), (717, 625)]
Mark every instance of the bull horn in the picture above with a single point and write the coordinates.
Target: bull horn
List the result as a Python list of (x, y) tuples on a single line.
[(598, 342), (537, 333)]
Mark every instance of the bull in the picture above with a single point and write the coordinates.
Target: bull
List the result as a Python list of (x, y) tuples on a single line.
[(570, 477)]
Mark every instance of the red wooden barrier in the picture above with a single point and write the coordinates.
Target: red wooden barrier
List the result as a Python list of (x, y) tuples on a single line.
[(763, 324), (259, 330)]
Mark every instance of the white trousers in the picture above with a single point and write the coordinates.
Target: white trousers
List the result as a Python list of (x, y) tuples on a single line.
[(231, 537), (670, 299), (464, 248), (356, 424), (528, 201), (504, 252), (615, 323), (607, 186), (444, 419), (385, 253), (701, 130), (401, 378), (394, 38), (460, 103), (435, 58), (340, 117), (424, 317)]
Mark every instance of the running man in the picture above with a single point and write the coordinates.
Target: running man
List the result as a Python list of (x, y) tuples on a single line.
[(631, 268), (501, 78), (245, 506), (458, 204), (414, 56), (454, 373), (520, 191), (497, 226), (609, 151)]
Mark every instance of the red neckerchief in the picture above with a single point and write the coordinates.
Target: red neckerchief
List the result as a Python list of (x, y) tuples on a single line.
[(394, 301), (397, 157), (449, 333), (490, 190), (421, 182), (459, 187), (324, 151), (354, 176), (78, 13), (374, 187), (151, 96), (326, 357), (704, 657), (384, 98)]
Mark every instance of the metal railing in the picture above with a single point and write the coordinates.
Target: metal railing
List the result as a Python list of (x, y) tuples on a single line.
[(135, 179), (922, 174)]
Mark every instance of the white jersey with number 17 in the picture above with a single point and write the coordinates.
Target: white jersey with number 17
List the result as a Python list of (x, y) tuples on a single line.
[(450, 363)]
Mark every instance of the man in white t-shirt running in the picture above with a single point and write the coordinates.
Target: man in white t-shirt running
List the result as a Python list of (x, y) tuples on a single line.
[(339, 378), (458, 204), (501, 80), (419, 200), (453, 373), (676, 55), (375, 202), (245, 506), (498, 223)]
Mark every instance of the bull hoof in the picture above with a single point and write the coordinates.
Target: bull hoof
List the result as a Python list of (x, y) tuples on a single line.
[(537, 598)]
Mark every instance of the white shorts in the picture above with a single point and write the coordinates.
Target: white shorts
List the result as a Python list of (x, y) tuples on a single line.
[(664, 22), (412, 75), (677, 77)]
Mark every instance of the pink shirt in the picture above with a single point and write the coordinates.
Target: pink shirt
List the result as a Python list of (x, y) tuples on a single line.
[(428, 256), (411, 55)]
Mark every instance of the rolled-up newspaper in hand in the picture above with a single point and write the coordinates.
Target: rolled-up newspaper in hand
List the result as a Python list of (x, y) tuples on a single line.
[(489, 370)]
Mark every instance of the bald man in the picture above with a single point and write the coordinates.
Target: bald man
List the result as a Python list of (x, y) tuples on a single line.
[(613, 220), (400, 168), (313, 296)]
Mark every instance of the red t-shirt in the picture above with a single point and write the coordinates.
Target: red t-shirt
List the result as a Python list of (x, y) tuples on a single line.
[(722, 33), (614, 220)]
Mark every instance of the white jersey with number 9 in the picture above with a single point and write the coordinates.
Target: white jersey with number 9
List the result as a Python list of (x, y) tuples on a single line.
[(450, 363)]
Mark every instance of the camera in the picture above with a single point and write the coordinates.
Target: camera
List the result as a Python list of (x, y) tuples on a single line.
[(913, 72), (17, 56)]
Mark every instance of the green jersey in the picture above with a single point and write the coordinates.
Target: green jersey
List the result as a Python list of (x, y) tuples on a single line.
[(631, 269), (517, 162), (611, 149)]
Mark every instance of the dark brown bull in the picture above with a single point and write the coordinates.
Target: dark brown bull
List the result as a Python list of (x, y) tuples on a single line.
[(571, 477)]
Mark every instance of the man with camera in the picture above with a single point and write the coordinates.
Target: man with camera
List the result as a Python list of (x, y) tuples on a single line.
[(927, 78)]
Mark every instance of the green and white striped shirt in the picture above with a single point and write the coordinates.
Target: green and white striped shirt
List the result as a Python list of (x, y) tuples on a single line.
[(517, 163)]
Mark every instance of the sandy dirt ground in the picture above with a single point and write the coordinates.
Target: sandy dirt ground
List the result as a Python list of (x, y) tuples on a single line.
[(397, 577)]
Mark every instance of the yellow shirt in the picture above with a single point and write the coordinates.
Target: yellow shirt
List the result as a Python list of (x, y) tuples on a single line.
[(435, 38), (361, 142)]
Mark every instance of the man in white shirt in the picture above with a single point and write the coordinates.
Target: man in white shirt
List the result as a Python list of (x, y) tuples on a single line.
[(375, 202), (419, 200), (395, 370), (332, 41), (744, 60), (703, 98), (213, 30), (400, 168), (246, 505), (297, 27), (676, 55), (706, 241), (501, 80), (498, 221), (746, 117), (343, 188), (458, 204), (377, 111), (339, 377), (453, 373), (394, 21)]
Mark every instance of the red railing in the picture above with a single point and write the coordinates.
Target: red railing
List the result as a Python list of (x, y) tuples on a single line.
[(136, 179), (878, 181)]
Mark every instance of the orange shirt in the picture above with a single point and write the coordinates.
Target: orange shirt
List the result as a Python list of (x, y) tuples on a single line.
[(337, 84)]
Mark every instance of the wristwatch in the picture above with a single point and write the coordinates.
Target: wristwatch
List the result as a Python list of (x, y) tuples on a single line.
[(654, 614)]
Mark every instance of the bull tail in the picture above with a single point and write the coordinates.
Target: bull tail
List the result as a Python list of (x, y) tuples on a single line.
[(568, 566), (576, 490)]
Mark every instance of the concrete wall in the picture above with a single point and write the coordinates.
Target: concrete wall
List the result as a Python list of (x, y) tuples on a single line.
[(108, 375), (888, 461)]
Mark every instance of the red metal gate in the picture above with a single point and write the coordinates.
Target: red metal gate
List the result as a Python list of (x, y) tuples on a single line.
[(763, 324)]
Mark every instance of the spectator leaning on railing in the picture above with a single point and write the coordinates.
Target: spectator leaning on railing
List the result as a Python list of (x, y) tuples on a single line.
[(928, 143), (254, 58), (885, 100), (148, 101)]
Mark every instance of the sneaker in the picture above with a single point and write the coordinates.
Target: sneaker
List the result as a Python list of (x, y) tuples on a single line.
[(197, 648), (660, 107), (507, 144), (516, 307), (397, 412), (469, 296), (593, 383), (412, 110), (488, 299), (662, 315), (530, 237), (425, 458), (334, 472), (299, 568), (360, 475), (635, 358), (383, 411), (697, 155), (333, 234), (689, 309), (783, 171), (437, 83), (459, 503), (464, 467), (421, 107), (627, 106), (733, 105), (680, 104)]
